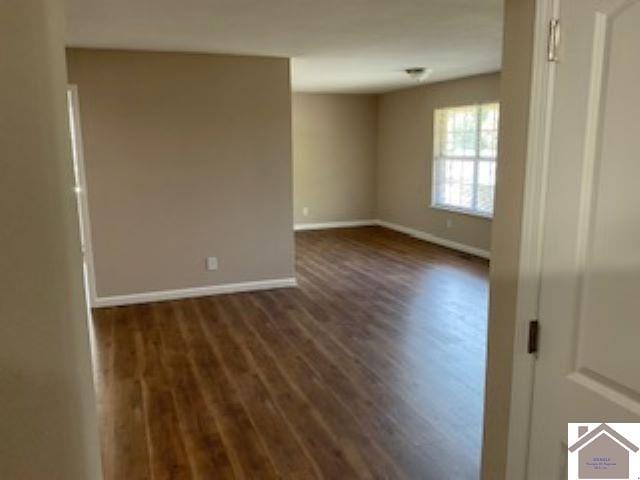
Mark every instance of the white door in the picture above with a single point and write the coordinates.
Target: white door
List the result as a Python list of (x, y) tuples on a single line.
[(589, 356)]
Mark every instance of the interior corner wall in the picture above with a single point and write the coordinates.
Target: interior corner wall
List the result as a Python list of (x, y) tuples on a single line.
[(405, 152), (515, 90), (48, 420), (186, 156), (334, 157)]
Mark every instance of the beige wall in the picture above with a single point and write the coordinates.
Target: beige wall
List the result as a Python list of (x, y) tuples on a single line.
[(514, 93), (187, 156), (334, 157), (405, 152), (48, 424)]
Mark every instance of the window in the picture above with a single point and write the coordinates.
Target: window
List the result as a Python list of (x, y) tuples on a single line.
[(464, 158)]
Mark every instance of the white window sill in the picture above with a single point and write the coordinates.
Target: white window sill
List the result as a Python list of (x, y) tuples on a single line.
[(463, 211)]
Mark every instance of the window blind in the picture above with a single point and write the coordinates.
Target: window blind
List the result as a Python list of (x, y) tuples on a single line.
[(464, 158)]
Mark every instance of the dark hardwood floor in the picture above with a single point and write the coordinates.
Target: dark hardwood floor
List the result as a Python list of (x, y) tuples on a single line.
[(372, 368)]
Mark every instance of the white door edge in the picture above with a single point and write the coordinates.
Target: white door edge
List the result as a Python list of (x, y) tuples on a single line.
[(522, 380)]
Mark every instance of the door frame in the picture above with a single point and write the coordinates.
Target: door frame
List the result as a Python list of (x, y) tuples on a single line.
[(534, 208), (531, 235), (84, 201)]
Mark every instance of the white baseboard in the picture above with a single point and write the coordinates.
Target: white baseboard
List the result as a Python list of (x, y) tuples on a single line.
[(160, 296), (428, 237), (341, 224)]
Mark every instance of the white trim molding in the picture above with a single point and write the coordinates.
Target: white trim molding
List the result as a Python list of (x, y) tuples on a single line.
[(160, 296), (340, 224), (83, 211), (428, 237)]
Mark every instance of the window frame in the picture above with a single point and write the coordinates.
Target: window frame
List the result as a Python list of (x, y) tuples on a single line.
[(436, 157)]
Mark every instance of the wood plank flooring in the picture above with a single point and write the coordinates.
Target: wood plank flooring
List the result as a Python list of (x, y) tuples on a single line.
[(372, 368)]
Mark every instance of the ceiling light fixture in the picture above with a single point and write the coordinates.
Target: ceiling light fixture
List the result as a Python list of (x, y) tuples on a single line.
[(418, 74)]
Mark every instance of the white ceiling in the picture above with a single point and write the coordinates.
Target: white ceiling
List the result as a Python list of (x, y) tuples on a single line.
[(336, 45)]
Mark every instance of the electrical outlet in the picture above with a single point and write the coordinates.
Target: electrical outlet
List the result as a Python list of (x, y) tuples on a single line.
[(212, 263), (305, 211), (449, 223)]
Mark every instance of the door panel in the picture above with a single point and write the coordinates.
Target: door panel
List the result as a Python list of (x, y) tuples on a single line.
[(611, 290), (590, 286)]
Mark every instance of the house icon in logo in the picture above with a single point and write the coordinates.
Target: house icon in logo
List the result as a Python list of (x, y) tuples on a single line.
[(603, 453)]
